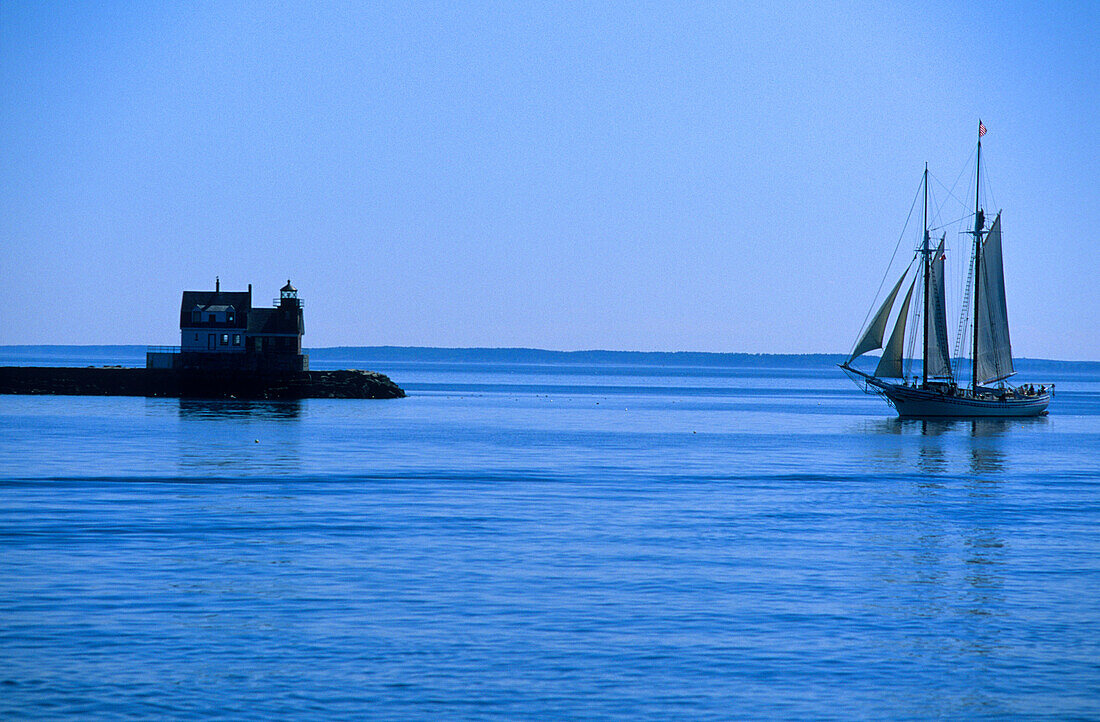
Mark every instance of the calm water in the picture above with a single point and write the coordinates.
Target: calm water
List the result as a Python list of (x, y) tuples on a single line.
[(550, 540)]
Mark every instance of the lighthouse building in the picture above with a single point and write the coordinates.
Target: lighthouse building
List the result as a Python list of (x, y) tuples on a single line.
[(220, 330)]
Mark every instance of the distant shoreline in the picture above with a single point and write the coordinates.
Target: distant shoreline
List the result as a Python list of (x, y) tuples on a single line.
[(331, 354)]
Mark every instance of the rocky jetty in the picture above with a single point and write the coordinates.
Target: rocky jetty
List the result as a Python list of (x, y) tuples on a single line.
[(119, 381)]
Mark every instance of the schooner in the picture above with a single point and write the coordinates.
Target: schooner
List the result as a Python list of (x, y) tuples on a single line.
[(938, 391)]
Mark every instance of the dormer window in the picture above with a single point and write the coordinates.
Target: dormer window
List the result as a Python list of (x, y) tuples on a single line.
[(196, 316), (212, 318)]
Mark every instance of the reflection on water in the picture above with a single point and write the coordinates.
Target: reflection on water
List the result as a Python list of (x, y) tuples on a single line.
[(232, 436), (932, 459), (952, 552), (936, 427), (939, 445), (238, 408), (952, 567), (946, 566)]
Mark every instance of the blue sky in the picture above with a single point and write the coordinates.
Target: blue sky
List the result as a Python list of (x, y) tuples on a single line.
[(651, 176)]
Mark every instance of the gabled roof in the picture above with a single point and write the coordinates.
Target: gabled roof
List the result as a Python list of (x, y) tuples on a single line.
[(214, 301)]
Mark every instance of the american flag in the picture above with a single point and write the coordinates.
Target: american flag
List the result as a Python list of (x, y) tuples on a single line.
[(981, 129)]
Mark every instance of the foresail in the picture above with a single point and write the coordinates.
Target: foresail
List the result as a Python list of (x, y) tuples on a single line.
[(890, 365), (872, 339), (994, 352), (936, 344)]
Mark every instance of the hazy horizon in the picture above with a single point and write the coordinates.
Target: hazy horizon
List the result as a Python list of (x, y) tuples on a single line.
[(140, 348)]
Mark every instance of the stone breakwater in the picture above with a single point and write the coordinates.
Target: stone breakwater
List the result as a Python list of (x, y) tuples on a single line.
[(118, 381)]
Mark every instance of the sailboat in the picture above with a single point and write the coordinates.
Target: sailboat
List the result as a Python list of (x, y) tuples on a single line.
[(937, 391)]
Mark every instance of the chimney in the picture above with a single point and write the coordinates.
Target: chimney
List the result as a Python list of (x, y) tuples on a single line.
[(217, 284)]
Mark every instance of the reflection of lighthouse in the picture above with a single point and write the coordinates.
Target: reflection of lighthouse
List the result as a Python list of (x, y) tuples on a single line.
[(275, 422)]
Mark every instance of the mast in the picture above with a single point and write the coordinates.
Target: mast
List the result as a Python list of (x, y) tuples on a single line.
[(927, 282), (979, 221)]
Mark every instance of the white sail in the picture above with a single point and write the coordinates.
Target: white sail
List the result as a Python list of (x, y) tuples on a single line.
[(872, 339), (936, 348), (890, 365), (994, 348)]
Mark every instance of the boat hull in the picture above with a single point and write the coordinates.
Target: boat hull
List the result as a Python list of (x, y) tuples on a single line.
[(909, 401)]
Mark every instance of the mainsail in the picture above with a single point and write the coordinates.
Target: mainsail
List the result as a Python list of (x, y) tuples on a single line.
[(939, 359), (872, 339), (890, 365), (994, 348)]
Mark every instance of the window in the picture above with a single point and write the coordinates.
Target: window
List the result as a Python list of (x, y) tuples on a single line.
[(225, 339), (236, 339), (196, 337), (211, 318), (229, 317), (196, 316)]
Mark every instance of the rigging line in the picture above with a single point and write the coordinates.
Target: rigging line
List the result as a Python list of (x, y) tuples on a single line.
[(913, 328), (950, 192), (989, 187), (893, 255), (931, 214), (936, 214), (964, 168), (952, 223)]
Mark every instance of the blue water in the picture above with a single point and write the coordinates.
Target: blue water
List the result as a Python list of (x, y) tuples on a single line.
[(549, 537)]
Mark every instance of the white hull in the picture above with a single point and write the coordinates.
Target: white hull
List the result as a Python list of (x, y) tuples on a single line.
[(918, 402)]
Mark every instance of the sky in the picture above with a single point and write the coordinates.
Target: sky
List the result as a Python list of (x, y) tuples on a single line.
[(728, 177)]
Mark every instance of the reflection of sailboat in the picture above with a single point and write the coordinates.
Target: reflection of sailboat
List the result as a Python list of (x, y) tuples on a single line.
[(938, 391)]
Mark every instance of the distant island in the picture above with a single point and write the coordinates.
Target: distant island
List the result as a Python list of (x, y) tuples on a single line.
[(228, 349)]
